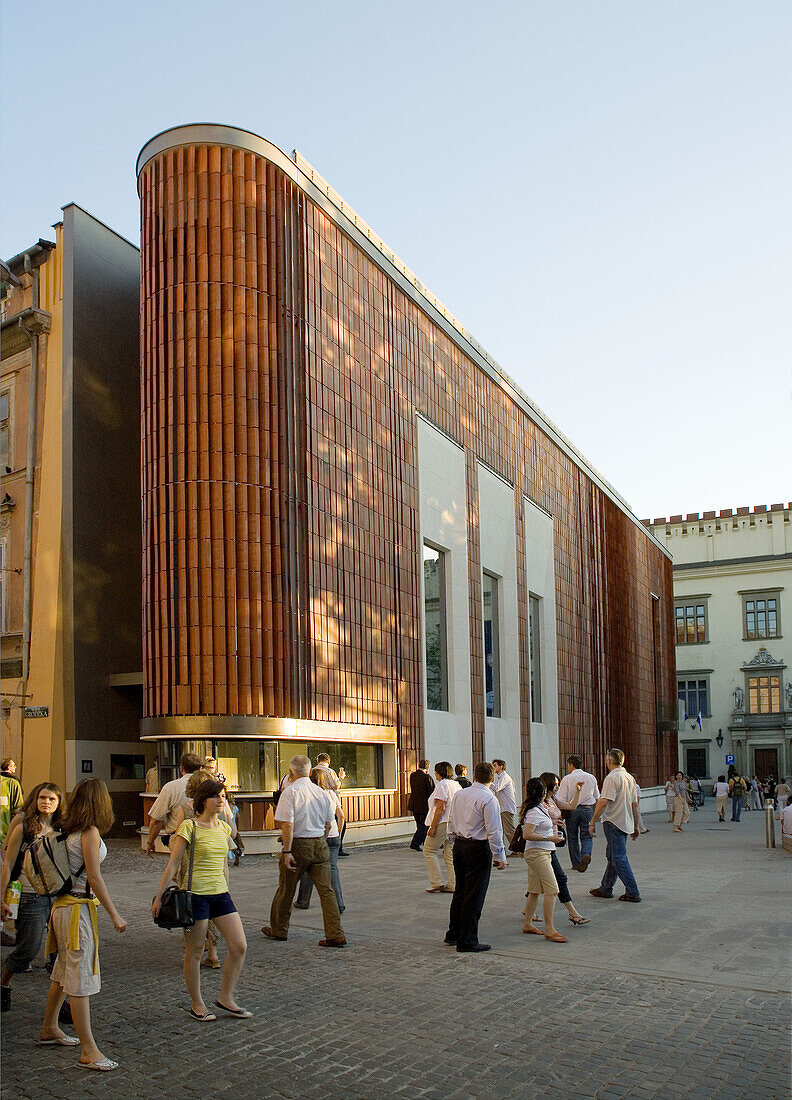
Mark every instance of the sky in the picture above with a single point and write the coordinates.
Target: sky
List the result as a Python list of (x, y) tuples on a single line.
[(599, 191)]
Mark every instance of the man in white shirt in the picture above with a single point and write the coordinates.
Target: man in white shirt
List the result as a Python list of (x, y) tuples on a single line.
[(173, 795), (618, 808), (503, 789), (474, 825), (580, 843), (305, 816)]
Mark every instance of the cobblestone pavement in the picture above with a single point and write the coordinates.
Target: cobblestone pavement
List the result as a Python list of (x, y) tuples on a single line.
[(398, 1014)]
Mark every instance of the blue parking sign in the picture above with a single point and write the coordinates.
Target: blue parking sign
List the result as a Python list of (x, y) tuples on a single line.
[(729, 758)]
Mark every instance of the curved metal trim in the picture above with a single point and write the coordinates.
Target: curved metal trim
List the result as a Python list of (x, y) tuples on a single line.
[(213, 133), (231, 727)]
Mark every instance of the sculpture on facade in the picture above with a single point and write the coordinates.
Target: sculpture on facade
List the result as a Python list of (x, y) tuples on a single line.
[(738, 698)]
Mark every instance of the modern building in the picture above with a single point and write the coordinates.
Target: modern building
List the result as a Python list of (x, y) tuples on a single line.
[(70, 686), (359, 535), (732, 597)]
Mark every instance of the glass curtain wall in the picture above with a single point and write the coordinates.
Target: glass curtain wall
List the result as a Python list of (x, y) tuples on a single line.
[(491, 646), (435, 631)]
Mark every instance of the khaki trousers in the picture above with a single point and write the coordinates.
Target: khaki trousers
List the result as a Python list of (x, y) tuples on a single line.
[(681, 811), (435, 847), (312, 857), (508, 826)]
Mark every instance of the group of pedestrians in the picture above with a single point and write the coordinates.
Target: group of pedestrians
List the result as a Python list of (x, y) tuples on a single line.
[(464, 831)]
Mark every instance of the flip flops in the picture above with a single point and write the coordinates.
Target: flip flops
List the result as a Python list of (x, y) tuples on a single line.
[(104, 1066), (579, 920), (60, 1041)]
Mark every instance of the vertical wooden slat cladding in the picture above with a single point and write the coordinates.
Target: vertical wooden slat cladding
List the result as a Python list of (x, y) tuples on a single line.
[(282, 371)]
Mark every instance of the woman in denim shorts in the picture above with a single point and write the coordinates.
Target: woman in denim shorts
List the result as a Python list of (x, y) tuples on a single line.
[(210, 898)]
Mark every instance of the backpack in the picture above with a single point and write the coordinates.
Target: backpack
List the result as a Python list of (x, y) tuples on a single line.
[(45, 864), (738, 789)]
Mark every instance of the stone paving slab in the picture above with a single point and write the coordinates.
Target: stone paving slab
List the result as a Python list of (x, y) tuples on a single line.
[(397, 1014)]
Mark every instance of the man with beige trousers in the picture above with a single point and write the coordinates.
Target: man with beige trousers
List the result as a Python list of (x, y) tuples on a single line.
[(437, 847)]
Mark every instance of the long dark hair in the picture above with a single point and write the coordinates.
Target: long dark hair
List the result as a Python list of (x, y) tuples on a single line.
[(32, 822), (535, 792)]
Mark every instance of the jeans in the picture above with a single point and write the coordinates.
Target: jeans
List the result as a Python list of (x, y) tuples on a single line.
[(736, 807), (31, 924), (306, 885), (618, 864), (421, 829), (578, 835), (561, 879)]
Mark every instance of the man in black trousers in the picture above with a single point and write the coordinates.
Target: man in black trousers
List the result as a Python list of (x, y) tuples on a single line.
[(421, 786), (475, 824)]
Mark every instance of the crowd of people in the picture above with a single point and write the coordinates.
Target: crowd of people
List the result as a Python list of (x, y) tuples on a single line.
[(464, 827)]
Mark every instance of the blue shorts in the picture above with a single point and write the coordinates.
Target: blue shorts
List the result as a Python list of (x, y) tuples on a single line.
[(212, 906)]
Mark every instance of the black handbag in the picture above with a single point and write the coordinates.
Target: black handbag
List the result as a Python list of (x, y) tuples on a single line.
[(176, 908), (562, 831), (518, 840)]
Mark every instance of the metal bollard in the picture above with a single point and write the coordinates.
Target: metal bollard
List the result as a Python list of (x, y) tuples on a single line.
[(769, 824)]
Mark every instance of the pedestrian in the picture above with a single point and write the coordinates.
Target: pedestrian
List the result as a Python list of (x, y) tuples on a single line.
[(503, 789), (41, 818), (755, 795), (421, 786), (319, 777), (618, 807), (785, 817), (474, 825), (239, 845), (551, 782), (335, 781), (437, 846), (670, 795), (641, 827), (721, 792), (208, 834), (694, 789), (460, 774), (186, 812), (163, 811), (681, 802), (541, 837), (578, 810), (782, 793), (11, 797), (304, 815), (769, 788), (210, 765), (74, 928), (152, 777), (736, 792)]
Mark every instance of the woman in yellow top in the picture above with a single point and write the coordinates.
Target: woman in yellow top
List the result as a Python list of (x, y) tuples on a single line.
[(210, 897)]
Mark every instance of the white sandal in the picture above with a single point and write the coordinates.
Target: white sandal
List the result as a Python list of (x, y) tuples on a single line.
[(104, 1066)]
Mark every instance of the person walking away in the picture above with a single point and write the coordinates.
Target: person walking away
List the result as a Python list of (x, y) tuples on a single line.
[(11, 799), (335, 781), (152, 777), (551, 783), (694, 788), (474, 825), (437, 846), (41, 818), (681, 799), (618, 807), (503, 789), (670, 795), (74, 929), (304, 815), (460, 774), (641, 827), (721, 792), (736, 792), (541, 838), (319, 777), (578, 813), (421, 786), (173, 795), (754, 795), (208, 833)]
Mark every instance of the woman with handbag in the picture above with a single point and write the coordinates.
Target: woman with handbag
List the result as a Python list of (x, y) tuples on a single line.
[(207, 835), (40, 819), (541, 838), (74, 928), (551, 782), (186, 812)]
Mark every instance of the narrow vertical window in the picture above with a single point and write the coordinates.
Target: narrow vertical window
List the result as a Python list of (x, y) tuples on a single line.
[(491, 647), (534, 631), (435, 631), (5, 431)]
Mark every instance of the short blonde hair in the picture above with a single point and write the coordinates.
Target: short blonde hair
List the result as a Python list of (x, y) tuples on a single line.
[(195, 780)]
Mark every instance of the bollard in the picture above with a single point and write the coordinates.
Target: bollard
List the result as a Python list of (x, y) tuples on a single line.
[(769, 824)]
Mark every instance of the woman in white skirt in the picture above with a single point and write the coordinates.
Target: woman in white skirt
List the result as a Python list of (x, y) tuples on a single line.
[(670, 795), (73, 930)]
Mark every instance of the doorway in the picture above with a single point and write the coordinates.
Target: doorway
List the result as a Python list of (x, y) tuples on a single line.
[(766, 763)]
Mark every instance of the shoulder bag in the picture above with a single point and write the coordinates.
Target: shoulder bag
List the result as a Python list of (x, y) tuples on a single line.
[(176, 910)]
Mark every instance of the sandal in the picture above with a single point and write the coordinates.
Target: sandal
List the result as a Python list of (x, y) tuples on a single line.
[(104, 1066), (533, 931), (60, 1041), (579, 920), (211, 964), (555, 937)]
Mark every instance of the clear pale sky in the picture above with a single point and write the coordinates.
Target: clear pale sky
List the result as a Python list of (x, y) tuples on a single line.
[(600, 191)]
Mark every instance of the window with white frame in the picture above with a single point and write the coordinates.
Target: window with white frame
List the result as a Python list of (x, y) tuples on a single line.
[(764, 694)]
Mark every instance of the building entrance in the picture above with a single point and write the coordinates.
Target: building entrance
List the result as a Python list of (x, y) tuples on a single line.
[(766, 763)]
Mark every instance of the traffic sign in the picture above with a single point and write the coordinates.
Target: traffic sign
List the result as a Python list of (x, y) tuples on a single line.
[(729, 758)]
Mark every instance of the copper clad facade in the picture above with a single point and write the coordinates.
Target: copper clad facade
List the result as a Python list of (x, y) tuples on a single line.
[(282, 372)]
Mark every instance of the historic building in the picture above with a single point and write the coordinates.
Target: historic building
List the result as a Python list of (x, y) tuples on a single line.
[(732, 597), (70, 515), (359, 535)]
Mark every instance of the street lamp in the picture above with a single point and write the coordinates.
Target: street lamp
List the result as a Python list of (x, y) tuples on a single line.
[(719, 739)]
